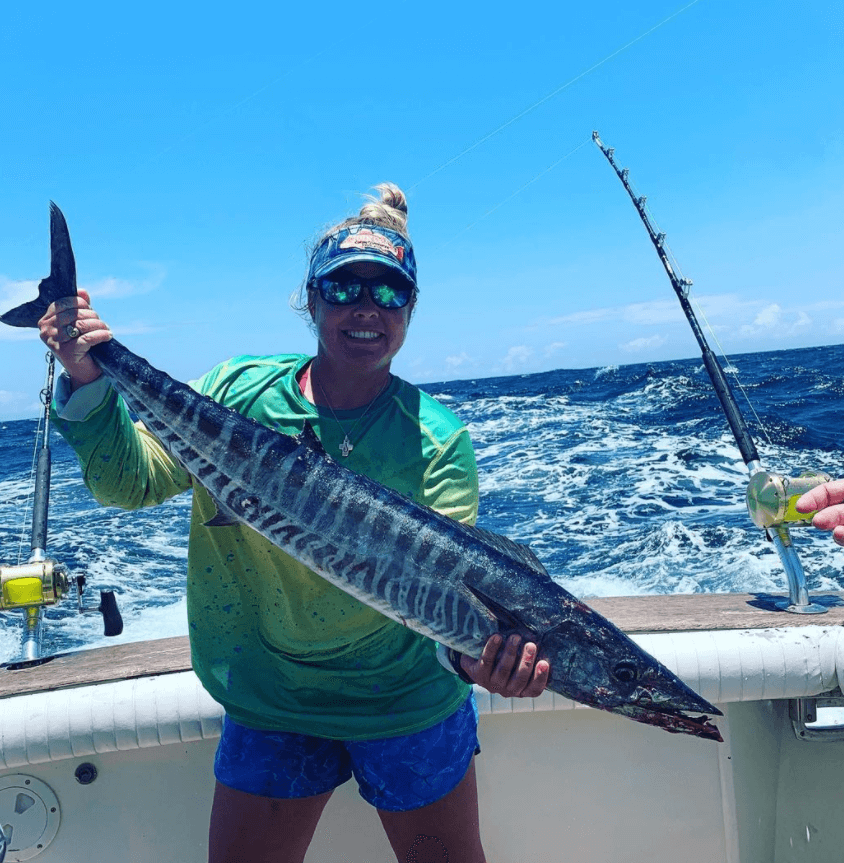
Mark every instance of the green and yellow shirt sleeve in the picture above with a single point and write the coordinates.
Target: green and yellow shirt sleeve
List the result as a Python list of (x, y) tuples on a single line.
[(122, 464)]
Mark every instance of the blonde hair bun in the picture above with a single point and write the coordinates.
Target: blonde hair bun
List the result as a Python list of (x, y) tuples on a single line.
[(389, 208)]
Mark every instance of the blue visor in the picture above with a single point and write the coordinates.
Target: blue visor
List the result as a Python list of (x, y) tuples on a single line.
[(364, 243)]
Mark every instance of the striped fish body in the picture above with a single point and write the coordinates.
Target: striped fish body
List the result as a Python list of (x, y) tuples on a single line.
[(413, 564), (452, 582), (401, 558)]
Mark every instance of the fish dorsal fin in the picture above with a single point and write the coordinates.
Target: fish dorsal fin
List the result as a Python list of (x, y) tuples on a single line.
[(309, 438), (521, 553)]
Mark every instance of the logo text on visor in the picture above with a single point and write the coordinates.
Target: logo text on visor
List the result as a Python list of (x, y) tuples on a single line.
[(366, 239)]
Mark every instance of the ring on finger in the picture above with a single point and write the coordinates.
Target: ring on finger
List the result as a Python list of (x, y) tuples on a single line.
[(73, 332)]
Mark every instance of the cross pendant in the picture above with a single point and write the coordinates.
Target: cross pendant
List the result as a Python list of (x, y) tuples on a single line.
[(346, 447)]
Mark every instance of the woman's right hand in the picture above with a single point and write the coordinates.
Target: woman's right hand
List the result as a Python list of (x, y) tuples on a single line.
[(70, 328)]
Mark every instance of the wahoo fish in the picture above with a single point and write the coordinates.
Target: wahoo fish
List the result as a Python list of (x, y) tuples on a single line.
[(452, 582)]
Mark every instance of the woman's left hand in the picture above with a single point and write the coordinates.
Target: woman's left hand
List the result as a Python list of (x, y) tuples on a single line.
[(510, 672)]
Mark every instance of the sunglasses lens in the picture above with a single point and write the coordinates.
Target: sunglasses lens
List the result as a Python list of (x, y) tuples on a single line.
[(345, 292), (389, 297), (339, 293)]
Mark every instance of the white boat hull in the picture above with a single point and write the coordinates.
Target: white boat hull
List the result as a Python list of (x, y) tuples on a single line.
[(557, 782)]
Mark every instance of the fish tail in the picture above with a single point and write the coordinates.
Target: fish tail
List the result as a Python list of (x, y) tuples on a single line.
[(60, 283)]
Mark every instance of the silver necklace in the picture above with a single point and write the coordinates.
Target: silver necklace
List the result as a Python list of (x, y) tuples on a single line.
[(346, 446)]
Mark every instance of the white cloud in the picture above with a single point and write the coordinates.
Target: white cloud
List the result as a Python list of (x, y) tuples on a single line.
[(418, 369), (17, 334), (769, 316), (13, 293), (109, 287), (454, 362), (516, 358), (136, 328), (643, 344), (773, 316), (553, 348), (720, 305), (590, 316), (115, 288), (661, 312), (657, 312)]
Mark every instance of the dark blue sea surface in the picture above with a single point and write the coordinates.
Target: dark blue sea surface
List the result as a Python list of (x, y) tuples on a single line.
[(624, 480)]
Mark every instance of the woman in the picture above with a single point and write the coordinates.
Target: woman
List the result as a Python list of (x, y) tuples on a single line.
[(317, 687)]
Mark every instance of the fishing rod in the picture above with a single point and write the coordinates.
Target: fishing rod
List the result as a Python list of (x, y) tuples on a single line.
[(43, 581), (770, 496)]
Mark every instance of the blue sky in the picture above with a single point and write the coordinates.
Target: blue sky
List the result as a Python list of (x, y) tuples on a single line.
[(196, 149)]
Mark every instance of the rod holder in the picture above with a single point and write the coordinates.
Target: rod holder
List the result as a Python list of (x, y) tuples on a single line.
[(798, 601)]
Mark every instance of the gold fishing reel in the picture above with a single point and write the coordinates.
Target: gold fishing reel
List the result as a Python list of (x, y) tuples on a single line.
[(43, 582), (771, 497)]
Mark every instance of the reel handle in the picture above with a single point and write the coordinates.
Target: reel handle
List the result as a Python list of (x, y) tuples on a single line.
[(112, 619)]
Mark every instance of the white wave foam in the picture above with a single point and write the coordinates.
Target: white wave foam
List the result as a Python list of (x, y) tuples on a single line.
[(606, 370)]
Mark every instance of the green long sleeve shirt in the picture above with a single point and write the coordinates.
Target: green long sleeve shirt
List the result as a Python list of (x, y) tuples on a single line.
[(279, 647)]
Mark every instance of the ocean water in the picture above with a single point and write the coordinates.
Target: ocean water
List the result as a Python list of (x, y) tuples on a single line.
[(624, 480)]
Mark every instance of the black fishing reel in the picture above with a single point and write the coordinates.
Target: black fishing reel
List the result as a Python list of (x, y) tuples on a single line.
[(771, 497)]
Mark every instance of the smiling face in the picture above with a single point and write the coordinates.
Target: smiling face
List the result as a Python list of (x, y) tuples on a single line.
[(360, 336)]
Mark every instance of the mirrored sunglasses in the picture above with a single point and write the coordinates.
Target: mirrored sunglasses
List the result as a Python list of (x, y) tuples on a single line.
[(341, 290)]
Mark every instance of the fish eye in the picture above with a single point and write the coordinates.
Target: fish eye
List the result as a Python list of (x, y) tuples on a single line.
[(625, 672)]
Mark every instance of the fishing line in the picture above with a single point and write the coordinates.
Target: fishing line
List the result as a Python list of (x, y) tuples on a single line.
[(550, 95), (232, 108), (466, 150), (513, 195), (31, 485), (463, 152), (733, 370), (489, 211)]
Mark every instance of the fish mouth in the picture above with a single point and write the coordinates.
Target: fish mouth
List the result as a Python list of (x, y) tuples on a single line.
[(672, 720)]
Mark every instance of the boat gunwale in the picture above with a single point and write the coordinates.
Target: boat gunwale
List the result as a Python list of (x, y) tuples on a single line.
[(670, 613)]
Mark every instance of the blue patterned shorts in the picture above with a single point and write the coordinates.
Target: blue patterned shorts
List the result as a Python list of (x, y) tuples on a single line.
[(395, 774)]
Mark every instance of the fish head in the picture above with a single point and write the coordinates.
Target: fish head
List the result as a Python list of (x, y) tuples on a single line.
[(600, 666)]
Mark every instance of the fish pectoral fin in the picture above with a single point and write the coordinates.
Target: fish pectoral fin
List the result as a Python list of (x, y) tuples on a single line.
[(507, 621), (224, 517)]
